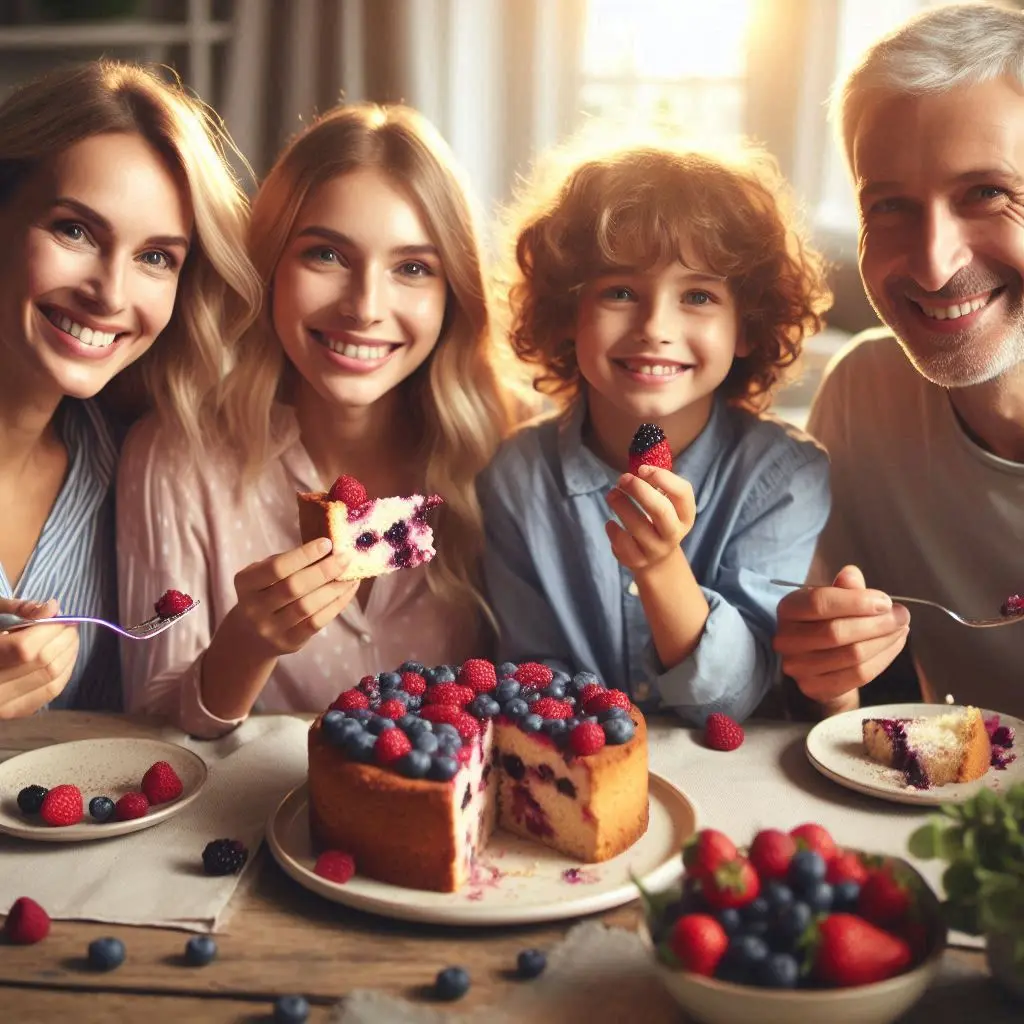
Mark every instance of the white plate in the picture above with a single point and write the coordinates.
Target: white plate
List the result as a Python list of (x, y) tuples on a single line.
[(516, 882), (109, 767), (835, 746)]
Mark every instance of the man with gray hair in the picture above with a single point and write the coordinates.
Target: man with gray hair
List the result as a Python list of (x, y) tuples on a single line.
[(924, 422)]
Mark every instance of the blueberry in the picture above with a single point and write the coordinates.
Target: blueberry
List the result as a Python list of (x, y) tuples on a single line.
[(426, 742), (531, 723), (389, 681), (673, 911), (571, 723), (439, 674), (779, 970), (483, 706), (416, 725), (819, 897), (407, 722), (337, 729), (806, 868), (448, 746), (200, 950), (507, 668), (361, 714), (554, 727), (555, 690), (516, 708), (778, 895), (588, 720), (105, 954), (378, 724), (30, 799), (792, 922), (291, 1010), (101, 808), (413, 703), (845, 896), (730, 920), (755, 912), (584, 679), (558, 676), (359, 746), (609, 713), (506, 690), (531, 696), (618, 730), (531, 963), (401, 696), (451, 983), (416, 763), (442, 768), (446, 729), (411, 666), (743, 957)]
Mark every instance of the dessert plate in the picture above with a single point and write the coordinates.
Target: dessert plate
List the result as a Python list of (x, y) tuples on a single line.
[(835, 748), (105, 767), (515, 882)]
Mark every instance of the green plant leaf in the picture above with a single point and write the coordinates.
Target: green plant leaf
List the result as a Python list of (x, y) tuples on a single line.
[(926, 841)]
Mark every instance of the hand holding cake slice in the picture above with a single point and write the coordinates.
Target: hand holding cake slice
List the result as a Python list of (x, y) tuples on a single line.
[(381, 534)]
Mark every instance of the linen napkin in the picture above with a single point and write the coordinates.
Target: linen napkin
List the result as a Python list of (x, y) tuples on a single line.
[(155, 876)]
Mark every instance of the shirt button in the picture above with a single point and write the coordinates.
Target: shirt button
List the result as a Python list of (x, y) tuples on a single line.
[(633, 589), (642, 691), (365, 638)]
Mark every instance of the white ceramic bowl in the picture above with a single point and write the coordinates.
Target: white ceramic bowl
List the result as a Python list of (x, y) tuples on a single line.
[(719, 1002)]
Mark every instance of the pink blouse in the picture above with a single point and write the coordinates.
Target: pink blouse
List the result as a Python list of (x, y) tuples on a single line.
[(182, 526)]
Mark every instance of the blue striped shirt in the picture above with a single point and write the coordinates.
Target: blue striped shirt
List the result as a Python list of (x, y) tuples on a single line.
[(762, 493), (74, 558)]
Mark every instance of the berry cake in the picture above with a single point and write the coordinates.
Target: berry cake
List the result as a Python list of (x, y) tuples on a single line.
[(383, 534), (931, 751), (412, 770)]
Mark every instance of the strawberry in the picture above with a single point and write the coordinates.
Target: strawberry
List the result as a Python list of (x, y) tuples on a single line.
[(649, 448), (533, 676), (478, 675), (548, 707), (886, 897), (721, 732), (27, 923), (351, 700), (171, 603), (391, 709), (349, 490), (587, 738), (770, 853), (449, 693), (698, 942), (62, 805), (814, 837), (605, 700), (851, 951), (391, 745), (846, 866), (335, 865), (414, 684), (161, 783), (707, 851), (732, 884), (131, 805), (468, 726)]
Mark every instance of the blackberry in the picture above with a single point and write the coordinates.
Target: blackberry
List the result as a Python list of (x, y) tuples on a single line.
[(224, 857), (396, 533), (200, 950), (105, 954), (101, 808), (30, 799), (646, 437), (531, 963), (291, 1010), (451, 983)]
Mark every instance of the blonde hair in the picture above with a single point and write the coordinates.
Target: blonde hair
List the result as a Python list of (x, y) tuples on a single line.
[(455, 395), (218, 291)]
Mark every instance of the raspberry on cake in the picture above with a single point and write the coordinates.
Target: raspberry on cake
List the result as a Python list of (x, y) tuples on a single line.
[(415, 800), (933, 751), (381, 534)]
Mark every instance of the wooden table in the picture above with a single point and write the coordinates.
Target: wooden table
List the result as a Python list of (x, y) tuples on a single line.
[(279, 938)]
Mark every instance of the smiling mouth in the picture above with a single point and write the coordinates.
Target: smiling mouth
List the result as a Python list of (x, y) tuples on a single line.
[(80, 332), (652, 369), (364, 352), (957, 310)]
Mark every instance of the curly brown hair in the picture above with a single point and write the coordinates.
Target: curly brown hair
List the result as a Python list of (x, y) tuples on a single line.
[(640, 207)]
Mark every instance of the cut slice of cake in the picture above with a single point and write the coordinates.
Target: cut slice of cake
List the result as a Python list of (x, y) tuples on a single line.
[(933, 751), (382, 534)]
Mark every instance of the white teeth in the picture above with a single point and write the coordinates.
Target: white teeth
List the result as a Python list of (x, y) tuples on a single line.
[(365, 353), (654, 369), (86, 335), (955, 311)]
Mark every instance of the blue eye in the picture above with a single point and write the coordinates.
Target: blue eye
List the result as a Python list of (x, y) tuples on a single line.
[(158, 259), (71, 230), (699, 297)]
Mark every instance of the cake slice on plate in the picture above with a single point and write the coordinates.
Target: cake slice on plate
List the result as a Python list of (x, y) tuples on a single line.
[(932, 751), (382, 534)]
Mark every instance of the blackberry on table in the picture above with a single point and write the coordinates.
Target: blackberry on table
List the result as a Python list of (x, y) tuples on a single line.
[(224, 857)]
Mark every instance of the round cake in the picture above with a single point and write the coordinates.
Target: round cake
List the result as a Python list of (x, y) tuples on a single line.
[(412, 770)]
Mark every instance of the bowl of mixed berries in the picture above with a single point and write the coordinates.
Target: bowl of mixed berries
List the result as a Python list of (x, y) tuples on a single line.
[(794, 928)]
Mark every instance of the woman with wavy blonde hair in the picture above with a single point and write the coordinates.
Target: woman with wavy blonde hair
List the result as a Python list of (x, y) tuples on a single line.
[(371, 359), (122, 274)]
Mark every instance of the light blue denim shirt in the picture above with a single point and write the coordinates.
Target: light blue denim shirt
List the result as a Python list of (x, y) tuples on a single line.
[(762, 494)]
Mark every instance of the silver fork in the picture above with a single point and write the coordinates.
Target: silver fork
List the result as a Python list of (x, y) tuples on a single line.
[(1003, 620), (142, 631)]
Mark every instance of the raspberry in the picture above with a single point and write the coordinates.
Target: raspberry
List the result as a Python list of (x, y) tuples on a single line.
[(351, 700), (605, 700), (468, 726), (548, 707), (224, 857), (441, 713), (161, 783), (464, 754), (533, 675), (449, 693), (649, 448), (586, 738), (171, 603), (335, 865), (391, 745), (62, 805), (349, 490), (391, 709), (414, 684), (721, 732), (589, 692), (478, 675), (27, 922), (131, 805)]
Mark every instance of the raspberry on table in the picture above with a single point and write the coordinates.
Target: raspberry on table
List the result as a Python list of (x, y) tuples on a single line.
[(27, 923), (721, 732)]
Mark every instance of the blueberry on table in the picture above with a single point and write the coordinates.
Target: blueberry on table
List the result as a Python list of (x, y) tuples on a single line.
[(291, 1010), (30, 799), (200, 950), (106, 954), (531, 963), (451, 983)]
